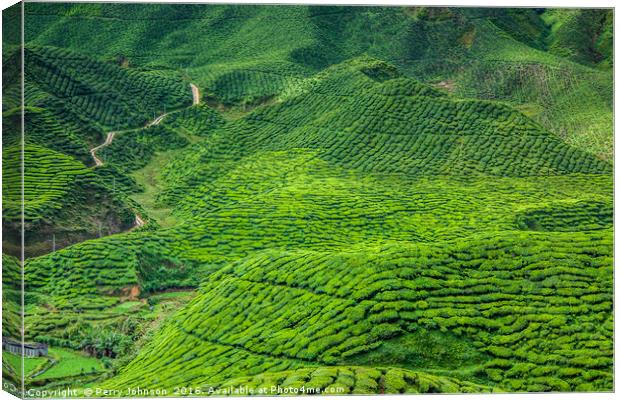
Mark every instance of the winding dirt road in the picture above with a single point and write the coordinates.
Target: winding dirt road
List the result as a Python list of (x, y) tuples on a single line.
[(156, 121), (195, 94), (107, 142), (138, 222), (110, 137)]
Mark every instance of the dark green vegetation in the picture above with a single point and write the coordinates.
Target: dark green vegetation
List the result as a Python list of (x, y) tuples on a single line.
[(11, 296), (71, 102), (350, 208), (553, 64), (64, 201)]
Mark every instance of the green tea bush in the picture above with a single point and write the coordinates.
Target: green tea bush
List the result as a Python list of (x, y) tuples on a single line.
[(133, 149), (97, 93)]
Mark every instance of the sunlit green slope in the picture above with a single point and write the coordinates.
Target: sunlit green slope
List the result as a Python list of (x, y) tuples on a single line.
[(526, 312), (367, 199), (63, 201), (362, 114), (73, 100)]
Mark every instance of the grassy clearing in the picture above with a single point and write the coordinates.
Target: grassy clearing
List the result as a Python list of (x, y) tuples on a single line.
[(125, 306), (70, 363), (147, 178)]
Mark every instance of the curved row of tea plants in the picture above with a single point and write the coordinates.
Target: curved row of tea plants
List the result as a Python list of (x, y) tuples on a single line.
[(554, 63), (538, 305)]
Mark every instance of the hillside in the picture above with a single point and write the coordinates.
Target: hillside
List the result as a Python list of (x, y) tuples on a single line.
[(288, 176), (349, 209), (554, 65), (362, 114), (87, 97), (71, 102), (503, 314), (64, 202)]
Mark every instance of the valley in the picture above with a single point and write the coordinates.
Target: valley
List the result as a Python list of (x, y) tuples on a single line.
[(358, 200)]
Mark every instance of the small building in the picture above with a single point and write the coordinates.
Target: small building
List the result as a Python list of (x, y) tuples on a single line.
[(30, 349)]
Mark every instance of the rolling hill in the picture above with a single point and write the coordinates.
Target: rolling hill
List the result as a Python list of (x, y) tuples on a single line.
[(553, 64), (71, 102), (345, 209)]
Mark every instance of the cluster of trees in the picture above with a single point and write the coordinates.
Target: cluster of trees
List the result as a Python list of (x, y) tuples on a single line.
[(105, 343), (97, 341)]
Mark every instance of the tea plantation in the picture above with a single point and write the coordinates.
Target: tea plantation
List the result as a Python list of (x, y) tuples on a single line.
[(346, 210), (71, 101), (553, 64)]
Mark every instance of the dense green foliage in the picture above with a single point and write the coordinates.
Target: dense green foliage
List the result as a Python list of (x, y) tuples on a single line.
[(58, 171), (133, 150), (61, 197), (256, 196), (555, 64), (366, 200), (526, 300), (197, 120), (345, 380), (11, 296), (78, 88), (71, 101), (585, 36)]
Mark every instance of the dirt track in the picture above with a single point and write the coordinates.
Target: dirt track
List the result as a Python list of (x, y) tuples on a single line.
[(156, 121), (110, 137), (107, 142), (195, 94)]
